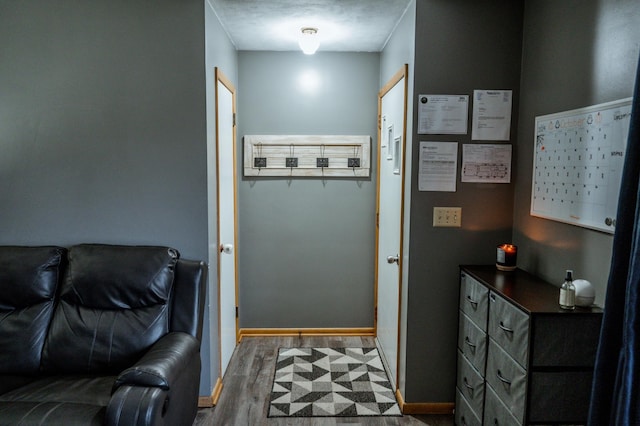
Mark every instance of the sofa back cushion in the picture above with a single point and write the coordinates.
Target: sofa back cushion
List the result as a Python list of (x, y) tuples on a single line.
[(113, 305), (28, 282)]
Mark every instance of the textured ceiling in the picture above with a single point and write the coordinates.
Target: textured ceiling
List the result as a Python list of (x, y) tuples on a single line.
[(343, 25)]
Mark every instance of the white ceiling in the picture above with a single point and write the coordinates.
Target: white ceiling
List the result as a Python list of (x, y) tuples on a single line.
[(343, 25)]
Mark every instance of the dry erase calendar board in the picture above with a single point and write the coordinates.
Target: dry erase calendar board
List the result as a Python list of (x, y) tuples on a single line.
[(577, 166)]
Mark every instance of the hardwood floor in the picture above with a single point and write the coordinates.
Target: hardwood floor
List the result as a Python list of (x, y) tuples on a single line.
[(247, 385)]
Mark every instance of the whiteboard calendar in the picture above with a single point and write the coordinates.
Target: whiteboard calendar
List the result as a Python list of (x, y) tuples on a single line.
[(578, 162)]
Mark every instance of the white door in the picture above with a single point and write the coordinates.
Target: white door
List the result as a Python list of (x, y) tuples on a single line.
[(392, 133), (226, 167)]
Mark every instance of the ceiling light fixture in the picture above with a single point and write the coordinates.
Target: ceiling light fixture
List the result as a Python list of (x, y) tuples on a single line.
[(309, 42)]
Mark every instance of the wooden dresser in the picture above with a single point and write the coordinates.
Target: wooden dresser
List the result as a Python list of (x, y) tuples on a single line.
[(521, 359)]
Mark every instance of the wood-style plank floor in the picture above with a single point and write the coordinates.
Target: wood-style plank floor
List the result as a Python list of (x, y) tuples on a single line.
[(247, 384)]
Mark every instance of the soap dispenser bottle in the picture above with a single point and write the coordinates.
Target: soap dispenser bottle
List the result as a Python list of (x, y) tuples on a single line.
[(568, 292)]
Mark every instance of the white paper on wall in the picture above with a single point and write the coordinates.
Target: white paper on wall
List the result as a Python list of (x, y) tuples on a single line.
[(438, 166), (491, 115)]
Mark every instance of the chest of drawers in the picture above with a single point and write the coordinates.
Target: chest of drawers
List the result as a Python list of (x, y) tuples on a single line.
[(521, 359)]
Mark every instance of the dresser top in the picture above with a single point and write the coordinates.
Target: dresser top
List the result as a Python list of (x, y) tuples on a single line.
[(530, 293)]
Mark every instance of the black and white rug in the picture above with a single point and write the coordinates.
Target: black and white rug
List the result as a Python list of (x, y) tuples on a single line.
[(328, 382)]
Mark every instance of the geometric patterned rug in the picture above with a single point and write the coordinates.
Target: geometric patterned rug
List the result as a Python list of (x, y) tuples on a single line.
[(331, 382)]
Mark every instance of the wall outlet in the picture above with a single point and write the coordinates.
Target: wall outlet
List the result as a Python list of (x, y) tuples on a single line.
[(447, 216)]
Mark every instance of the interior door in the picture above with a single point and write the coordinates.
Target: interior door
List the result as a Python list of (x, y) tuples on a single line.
[(227, 233), (391, 149)]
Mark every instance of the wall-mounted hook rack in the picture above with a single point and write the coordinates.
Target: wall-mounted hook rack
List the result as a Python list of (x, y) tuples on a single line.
[(315, 155)]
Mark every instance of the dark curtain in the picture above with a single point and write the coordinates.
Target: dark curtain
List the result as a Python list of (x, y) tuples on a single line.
[(616, 382)]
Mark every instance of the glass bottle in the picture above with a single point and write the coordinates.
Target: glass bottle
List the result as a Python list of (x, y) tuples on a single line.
[(568, 292)]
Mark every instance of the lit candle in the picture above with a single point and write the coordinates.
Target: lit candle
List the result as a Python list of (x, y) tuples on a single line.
[(506, 257)]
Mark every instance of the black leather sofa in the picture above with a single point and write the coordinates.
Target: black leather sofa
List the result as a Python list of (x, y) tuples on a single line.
[(99, 335)]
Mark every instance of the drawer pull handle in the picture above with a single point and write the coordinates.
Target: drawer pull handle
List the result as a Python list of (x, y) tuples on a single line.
[(466, 384), (471, 345), (502, 379), (505, 328), (473, 302)]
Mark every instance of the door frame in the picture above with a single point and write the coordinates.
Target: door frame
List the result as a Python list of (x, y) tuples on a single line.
[(221, 78), (402, 73)]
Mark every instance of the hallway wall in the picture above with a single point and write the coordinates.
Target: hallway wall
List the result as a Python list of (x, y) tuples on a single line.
[(103, 124), (576, 53), (460, 46), (306, 245), (221, 53), (400, 49)]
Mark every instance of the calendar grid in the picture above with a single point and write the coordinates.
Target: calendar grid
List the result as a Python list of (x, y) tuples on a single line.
[(578, 161)]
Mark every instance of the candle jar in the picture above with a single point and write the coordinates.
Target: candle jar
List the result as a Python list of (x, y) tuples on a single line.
[(507, 255)]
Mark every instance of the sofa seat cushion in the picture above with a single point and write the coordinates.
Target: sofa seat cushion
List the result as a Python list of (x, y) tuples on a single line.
[(113, 305), (58, 400), (28, 282), (9, 382), (50, 414)]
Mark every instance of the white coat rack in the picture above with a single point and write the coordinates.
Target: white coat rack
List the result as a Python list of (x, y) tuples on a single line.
[(307, 155)]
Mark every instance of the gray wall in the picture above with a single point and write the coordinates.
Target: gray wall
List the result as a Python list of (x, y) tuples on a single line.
[(460, 46), (220, 53), (400, 47), (306, 248), (576, 53), (102, 124)]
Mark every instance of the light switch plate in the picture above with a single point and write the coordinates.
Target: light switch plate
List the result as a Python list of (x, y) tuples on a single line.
[(447, 216)]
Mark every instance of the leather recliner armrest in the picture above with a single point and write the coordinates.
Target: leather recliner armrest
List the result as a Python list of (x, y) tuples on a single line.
[(161, 389), (165, 361), (137, 406)]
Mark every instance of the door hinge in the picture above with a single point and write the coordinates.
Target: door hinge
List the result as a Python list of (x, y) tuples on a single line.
[(375, 314), (234, 119), (236, 312), (378, 220)]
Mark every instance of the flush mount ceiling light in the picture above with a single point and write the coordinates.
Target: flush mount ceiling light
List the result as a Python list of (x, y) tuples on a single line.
[(309, 42)]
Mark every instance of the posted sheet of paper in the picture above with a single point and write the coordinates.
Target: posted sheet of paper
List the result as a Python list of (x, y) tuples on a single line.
[(443, 114), (491, 115), (438, 165), (482, 163)]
